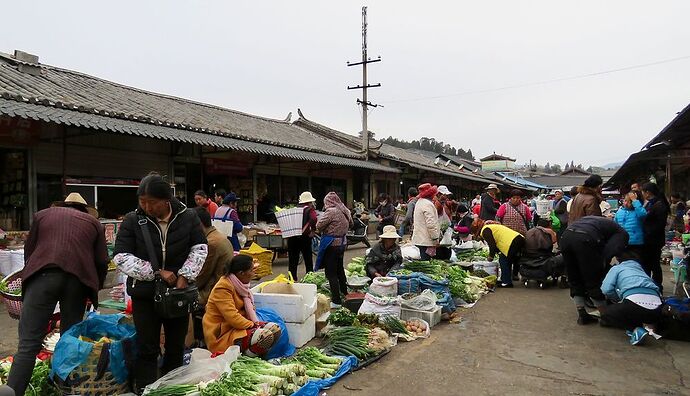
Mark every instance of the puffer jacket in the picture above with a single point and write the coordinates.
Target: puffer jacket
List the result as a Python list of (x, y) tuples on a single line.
[(336, 219), (628, 278), (427, 229), (185, 253), (585, 203), (632, 221)]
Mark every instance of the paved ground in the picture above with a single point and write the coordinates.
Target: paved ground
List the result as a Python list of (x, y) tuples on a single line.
[(514, 341)]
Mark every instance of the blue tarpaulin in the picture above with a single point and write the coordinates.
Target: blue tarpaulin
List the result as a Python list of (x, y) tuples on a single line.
[(313, 387)]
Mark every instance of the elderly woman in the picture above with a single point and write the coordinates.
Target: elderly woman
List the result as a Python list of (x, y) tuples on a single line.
[(333, 226), (230, 317), (385, 255)]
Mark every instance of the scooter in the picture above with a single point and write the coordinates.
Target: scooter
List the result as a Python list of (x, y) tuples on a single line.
[(358, 232)]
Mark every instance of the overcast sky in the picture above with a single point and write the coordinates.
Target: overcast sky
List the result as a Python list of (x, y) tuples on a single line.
[(270, 57)]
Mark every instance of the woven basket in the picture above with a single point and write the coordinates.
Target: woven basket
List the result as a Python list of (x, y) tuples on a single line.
[(13, 302), (84, 379)]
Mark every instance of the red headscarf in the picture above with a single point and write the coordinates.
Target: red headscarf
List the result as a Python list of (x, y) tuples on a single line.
[(427, 191)]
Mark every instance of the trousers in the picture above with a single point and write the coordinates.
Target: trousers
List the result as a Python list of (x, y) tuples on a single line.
[(42, 292), (335, 272), (148, 325), (628, 315), (299, 245), (584, 264)]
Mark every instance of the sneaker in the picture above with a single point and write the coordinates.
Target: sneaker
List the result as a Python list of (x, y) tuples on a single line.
[(335, 306), (637, 335), (504, 285)]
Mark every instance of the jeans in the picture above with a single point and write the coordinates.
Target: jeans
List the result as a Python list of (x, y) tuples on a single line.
[(651, 262), (510, 264), (335, 272), (299, 245), (42, 292), (148, 325)]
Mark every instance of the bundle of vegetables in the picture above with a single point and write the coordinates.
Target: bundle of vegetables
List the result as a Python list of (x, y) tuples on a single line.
[(356, 267), (318, 279), (342, 317), (317, 364), (480, 273), (379, 340), (367, 320), (428, 267), (350, 341), (469, 255), (5, 289), (173, 390), (467, 287), (277, 208), (394, 325), (256, 377)]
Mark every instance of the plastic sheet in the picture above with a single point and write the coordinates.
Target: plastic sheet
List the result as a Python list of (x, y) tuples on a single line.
[(282, 348)]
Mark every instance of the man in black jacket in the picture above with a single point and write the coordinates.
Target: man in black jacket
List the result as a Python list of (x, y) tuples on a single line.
[(489, 205), (181, 249), (588, 245)]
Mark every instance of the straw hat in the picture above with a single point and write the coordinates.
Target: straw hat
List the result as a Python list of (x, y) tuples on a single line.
[(306, 197), (491, 186), (76, 198), (389, 232), (444, 190)]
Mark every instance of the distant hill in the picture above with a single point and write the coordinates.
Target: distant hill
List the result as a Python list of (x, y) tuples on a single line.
[(613, 165), (430, 144)]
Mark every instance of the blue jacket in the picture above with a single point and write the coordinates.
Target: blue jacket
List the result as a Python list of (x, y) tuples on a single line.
[(632, 221), (626, 279)]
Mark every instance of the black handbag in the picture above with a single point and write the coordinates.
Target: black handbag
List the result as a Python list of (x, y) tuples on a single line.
[(169, 302)]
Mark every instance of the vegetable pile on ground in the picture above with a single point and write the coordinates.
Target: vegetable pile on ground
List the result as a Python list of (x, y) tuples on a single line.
[(433, 268), (356, 267), (39, 384), (350, 340), (342, 317), (318, 279), (173, 390), (467, 287), (256, 377), (394, 325), (317, 364), (416, 327), (469, 255)]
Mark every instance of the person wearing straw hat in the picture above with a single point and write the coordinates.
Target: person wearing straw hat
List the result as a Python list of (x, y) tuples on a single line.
[(489, 203), (301, 244), (66, 262), (385, 255)]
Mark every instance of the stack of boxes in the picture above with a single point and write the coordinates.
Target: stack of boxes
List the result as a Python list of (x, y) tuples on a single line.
[(295, 303)]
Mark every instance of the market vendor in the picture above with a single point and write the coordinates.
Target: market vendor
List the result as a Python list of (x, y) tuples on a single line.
[(508, 244), (538, 259), (203, 201), (231, 317), (228, 212), (385, 255)]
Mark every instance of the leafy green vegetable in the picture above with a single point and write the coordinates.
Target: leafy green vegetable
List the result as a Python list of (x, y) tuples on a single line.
[(5, 289), (342, 317)]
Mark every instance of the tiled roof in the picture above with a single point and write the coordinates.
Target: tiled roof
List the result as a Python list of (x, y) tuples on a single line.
[(415, 158), (55, 88), (99, 122)]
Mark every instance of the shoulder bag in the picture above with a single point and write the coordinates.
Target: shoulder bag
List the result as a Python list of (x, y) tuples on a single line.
[(169, 302)]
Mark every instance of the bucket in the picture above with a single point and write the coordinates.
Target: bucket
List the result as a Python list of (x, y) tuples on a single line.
[(491, 267)]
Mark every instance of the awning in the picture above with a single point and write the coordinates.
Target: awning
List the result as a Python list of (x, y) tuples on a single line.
[(68, 117)]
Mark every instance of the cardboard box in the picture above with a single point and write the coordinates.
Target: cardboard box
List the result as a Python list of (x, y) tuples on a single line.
[(295, 302), (301, 333)]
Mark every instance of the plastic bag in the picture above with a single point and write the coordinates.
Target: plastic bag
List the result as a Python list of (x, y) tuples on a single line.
[(382, 306), (282, 348), (71, 352), (202, 368), (425, 301), (410, 252), (447, 239), (278, 279), (384, 286)]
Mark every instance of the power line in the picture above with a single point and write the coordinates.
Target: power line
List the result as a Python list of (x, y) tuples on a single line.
[(543, 82)]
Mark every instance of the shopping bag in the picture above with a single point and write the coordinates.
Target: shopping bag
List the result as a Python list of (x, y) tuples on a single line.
[(447, 239), (223, 226)]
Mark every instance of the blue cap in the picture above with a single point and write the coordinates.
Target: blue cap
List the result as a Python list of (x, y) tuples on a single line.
[(230, 197)]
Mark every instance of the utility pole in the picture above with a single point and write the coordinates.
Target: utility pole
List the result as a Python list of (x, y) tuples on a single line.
[(364, 102)]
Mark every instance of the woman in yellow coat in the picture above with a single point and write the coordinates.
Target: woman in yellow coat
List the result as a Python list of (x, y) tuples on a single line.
[(508, 244), (230, 317)]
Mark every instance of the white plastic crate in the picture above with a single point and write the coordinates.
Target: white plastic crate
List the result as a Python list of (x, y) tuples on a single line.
[(431, 317), (292, 308), (301, 333)]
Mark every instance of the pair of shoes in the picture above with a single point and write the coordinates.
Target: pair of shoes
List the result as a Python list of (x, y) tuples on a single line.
[(584, 318), (335, 306), (504, 285), (637, 335)]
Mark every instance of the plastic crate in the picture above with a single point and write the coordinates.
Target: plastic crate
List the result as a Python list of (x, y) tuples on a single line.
[(292, 307), (431, 317), (301, 333)]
